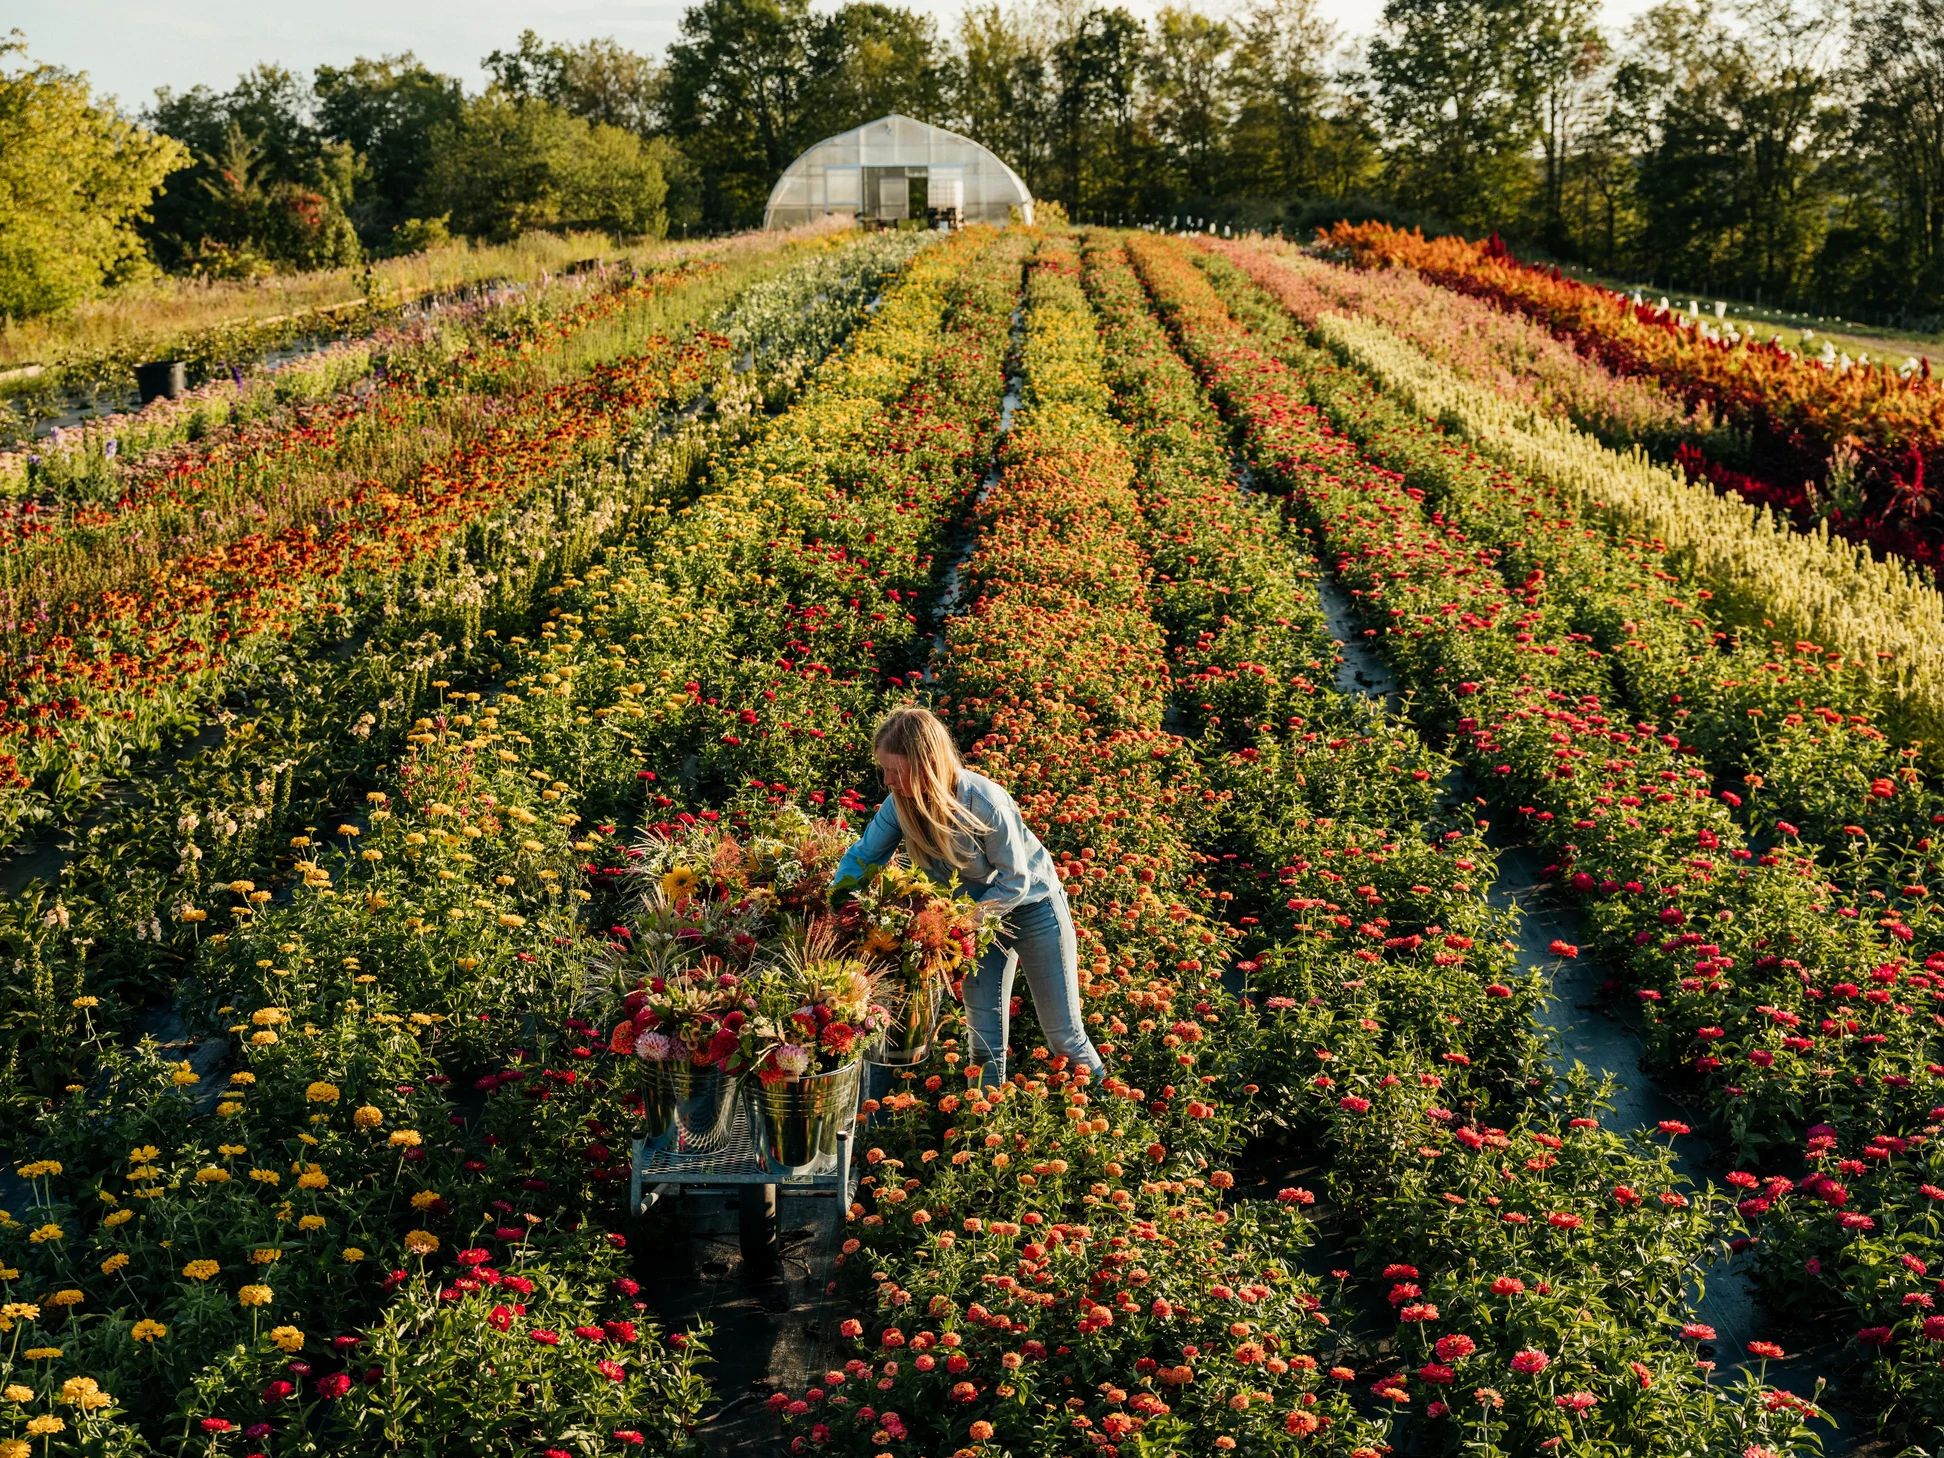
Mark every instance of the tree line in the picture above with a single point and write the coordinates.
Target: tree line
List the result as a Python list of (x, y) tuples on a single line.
[(1786, 150)]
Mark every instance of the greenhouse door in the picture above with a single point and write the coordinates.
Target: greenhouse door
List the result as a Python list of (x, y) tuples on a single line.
[(893, 193)]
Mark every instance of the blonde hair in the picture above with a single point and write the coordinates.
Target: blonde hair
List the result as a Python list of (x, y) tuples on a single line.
[(935, 824)]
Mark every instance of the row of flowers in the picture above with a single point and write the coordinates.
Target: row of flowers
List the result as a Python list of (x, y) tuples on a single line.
[(1508, 353), (323, 722), (336, 1174), (154, 604), (1050, 1263), (1868, 438), (144, 644), (1563, 612), (1667, 897), (1677, 650), (1879, 615), (1418, 1012)]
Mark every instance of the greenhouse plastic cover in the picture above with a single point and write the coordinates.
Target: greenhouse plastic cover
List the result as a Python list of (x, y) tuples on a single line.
[(881, 169)]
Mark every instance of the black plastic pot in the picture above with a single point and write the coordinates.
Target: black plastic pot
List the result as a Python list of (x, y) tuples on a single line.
[(168, 377)]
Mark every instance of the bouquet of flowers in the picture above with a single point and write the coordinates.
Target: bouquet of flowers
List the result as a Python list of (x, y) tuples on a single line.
[(781, 861), (807, 1021), (918, 937), (681, 1031), (686, 1014), (806, 1016)]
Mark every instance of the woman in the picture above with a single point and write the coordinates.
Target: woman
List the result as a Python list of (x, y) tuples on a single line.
[(952, 820)]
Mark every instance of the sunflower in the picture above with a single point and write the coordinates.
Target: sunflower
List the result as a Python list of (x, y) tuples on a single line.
[(678, 883)]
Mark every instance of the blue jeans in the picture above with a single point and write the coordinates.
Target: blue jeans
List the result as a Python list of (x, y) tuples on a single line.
[(1042, 933)]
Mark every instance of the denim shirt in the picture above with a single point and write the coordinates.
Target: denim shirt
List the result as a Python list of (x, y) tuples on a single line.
[(1006, 866)]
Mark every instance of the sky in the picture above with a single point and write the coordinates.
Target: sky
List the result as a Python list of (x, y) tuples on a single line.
[(130, 47)]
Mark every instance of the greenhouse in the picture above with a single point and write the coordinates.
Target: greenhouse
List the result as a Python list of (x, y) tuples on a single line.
[(893, 169)]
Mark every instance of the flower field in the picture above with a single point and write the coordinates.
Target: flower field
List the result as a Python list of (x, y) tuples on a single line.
[(460, 745), (1856, 445)]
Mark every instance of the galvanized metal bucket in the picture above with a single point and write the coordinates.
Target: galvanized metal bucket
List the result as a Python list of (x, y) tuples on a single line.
[(687, 1104), (797, 1120), (914, 1023)]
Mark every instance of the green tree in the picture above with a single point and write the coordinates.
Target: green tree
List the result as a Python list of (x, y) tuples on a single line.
[(1189, 96), (1458, 98), (386, 111), (1281, 94), (739, 85), (266, 189), (1568, 58), (75, 179), (1895, 229), (1737, 131), (1002, 91), (597, 80), (1094, 150), (508, 164), (869, 60)]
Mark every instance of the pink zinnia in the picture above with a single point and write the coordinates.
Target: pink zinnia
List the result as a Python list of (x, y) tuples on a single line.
[(1531, 1362)]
